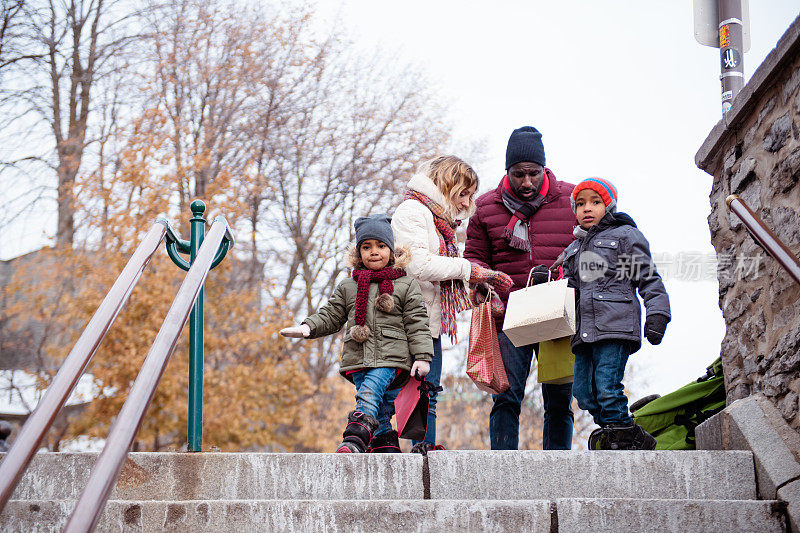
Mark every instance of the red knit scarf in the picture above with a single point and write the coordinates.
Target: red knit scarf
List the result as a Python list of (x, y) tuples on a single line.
[(364, 277), (454, 295)]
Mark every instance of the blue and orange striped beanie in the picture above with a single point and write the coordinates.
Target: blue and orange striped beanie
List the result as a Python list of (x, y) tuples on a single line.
[(604, 188)]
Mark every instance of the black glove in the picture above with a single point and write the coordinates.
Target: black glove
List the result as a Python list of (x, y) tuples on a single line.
[(654, 328), (540, 274)]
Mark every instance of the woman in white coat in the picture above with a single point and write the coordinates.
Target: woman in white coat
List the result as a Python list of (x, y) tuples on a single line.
[(439, 197)]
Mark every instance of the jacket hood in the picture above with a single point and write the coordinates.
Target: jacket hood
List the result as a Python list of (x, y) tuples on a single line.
[(616, 220), (423, 184), (609, 220)]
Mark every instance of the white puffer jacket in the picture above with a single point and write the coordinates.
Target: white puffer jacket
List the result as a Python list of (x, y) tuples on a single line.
[(413, 227)]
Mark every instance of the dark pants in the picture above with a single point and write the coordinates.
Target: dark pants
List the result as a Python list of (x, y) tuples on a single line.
[(599, 368), (504, 418)]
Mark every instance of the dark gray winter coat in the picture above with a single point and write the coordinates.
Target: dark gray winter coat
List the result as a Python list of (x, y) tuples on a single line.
[(606, 268)]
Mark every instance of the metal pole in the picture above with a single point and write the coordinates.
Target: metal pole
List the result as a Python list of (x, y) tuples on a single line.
[(195, 436), (730, 50), (771, 243), (40, 420), (175, 247)]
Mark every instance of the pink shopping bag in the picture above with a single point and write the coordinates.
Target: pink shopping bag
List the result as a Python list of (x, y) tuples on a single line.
[(411, 409)]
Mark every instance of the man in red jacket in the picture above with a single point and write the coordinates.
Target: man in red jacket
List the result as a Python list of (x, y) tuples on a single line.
[(526, 221)]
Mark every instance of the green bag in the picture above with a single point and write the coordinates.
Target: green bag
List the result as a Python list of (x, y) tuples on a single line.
[(556, 362), (672, 418)]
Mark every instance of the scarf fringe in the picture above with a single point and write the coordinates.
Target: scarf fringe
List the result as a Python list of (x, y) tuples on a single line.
[(454, 295), (519, 244), (450, 306), (516, 242)]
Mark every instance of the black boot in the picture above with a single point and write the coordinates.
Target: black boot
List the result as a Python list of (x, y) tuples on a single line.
[(425, 447), (385, 443), (358, 433), (595, 439), (636, 438), (621, 437)]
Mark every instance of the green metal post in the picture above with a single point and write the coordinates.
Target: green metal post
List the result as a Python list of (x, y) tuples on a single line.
[(198, 232), (175, 247)]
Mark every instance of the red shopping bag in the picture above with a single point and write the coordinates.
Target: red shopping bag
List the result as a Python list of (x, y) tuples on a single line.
[(484, 363), (411, 408)]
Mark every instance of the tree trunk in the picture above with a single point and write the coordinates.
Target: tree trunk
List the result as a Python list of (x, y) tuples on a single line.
[(69, 159)]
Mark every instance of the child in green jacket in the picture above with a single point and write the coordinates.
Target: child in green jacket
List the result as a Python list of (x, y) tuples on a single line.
[(387, 338)]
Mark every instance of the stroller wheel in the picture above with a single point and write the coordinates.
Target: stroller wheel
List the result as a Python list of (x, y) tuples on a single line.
[(641, 402)]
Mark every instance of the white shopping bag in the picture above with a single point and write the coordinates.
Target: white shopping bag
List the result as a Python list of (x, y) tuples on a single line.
[(540, 313)]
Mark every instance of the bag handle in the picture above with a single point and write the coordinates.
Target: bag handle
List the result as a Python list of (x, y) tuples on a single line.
[(530, 275), (488, 295)]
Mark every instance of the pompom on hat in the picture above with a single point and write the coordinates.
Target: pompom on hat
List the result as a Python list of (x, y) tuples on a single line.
[(604, 188)]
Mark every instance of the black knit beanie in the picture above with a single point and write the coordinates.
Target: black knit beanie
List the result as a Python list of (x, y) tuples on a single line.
[(525, 144), (377, 227)]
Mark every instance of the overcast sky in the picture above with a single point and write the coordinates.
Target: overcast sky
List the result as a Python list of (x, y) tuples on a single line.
[(619, 89)]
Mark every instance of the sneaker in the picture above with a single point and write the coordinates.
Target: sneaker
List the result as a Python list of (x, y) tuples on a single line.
[(425, 447)]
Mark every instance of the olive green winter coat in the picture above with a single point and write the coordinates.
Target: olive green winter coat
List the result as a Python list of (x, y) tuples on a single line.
[(397, 338)]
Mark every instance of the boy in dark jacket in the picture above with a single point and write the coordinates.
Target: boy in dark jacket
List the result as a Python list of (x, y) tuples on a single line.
[(387, 340), (606, 264)]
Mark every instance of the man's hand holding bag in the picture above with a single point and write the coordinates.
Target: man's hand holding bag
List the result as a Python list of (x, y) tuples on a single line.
[(540, 312)]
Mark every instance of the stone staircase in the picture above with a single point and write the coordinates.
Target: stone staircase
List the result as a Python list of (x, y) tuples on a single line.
[(447, 491)]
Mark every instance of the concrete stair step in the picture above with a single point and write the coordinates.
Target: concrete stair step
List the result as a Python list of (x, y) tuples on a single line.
[(675, 516), (454, 475), (231, 476), (531, 475), (572, 515)]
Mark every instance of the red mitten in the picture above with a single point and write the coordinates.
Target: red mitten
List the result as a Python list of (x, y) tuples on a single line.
[(498, 309), (499, 280)]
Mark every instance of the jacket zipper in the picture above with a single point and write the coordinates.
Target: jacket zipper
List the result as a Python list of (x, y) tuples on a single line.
[(530, 235)]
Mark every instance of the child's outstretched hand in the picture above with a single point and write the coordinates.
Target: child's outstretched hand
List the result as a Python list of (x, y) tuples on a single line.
[(421, 367), (298, 332), (654, 328)]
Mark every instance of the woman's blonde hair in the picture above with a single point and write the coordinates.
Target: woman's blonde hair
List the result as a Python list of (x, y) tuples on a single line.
[(399, 258), (452, 176)]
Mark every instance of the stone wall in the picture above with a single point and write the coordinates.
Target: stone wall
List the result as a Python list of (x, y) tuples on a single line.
[(755, 152)]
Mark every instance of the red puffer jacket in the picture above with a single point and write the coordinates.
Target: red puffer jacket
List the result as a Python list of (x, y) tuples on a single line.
[(549, 232)]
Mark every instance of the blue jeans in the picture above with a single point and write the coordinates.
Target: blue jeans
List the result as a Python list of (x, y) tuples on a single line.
[(599, 369), (434, 376), (372, 396), (504, 418)]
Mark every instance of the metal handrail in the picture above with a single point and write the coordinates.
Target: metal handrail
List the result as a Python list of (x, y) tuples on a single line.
[(764, 236), (40, 420), (107, 468)]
